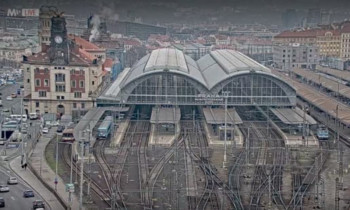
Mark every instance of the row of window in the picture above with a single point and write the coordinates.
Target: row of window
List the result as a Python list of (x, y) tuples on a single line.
[(61, 88), (42, 93), (82, 105), (73, 71)]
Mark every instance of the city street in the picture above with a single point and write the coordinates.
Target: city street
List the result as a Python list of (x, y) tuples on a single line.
[(14, 199)]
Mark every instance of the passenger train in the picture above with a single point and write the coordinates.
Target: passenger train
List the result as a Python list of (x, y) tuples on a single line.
[(105, 128), (322, 133)]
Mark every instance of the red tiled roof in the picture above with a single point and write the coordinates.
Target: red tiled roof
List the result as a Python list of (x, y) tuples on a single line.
[(84, 43), (108, 63), (311, 33)]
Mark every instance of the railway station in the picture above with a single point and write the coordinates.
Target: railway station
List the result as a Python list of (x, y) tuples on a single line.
[(167, 78), (177, 117)]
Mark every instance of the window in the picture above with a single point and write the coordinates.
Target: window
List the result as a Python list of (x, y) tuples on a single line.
[(82, 72), (77, 94), (37, 83), (42, 93), (74, 105), (62, 97), (72, 71), (60, 88), (83, 105), (73, 83), (58, 97), (60, 77), (37, 104), (37, 70), (46, 82), (81, 83), (28, 80), (93, 82)]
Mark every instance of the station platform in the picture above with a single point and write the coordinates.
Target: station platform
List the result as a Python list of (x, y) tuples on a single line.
[(297, 141), (117, 138), (214, 140), (161, 138), (89, 121)]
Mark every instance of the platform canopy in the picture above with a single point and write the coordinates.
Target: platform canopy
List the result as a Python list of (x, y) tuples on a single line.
[(217, 116), (165, 115), (293, 116)]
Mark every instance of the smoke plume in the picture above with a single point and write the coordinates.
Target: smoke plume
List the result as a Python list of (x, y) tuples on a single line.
[(95, 33)]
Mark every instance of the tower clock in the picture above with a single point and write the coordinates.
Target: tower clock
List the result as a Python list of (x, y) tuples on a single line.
[(59, 49)]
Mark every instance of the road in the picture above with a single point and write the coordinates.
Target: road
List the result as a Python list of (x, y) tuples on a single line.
[(13, 105), (14, 199)]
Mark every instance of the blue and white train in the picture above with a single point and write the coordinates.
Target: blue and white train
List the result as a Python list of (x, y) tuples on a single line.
[(322, 133), (105, 128)]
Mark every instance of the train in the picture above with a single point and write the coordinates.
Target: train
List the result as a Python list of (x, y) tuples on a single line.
[(68, 135), (105, 128), (322, 133)]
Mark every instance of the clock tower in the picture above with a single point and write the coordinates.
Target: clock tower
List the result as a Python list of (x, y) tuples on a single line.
[(59, 45)]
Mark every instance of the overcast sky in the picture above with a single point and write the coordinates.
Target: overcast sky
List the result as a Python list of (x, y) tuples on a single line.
[(151, 10)]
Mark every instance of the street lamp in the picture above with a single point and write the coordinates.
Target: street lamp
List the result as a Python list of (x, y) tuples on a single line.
[(225, 93)]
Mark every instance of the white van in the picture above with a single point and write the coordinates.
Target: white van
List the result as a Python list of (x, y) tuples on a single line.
[(16, 117), (33, 116)]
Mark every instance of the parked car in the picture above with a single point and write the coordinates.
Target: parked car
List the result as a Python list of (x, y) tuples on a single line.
[(28, 194), (14, 95), (60, 129), (4, 188), (12, 180), (45, 130), (38, 204), (9, 98), (2, 202)]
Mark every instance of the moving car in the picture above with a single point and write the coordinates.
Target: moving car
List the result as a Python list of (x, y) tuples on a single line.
[(12, 180), (2, 202), (4, 188), (45, 130), (38, 204), (9, 98), (28, 194)]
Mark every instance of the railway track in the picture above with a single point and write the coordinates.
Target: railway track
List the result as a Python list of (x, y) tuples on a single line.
[(142, 160), (157, 169), (267, 179), (95, 187), (107, 172), (213, 182)]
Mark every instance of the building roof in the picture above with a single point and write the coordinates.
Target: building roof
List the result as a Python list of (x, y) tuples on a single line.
[(165, 115), (320, 79), (293, 116), (166, 59), (208, 72), (309, 33), (82, 43), (344, 75), (322, 101), (220, 64), (217, 116)]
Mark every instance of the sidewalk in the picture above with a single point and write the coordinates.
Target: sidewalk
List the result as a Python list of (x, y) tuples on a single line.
[(41, 168)]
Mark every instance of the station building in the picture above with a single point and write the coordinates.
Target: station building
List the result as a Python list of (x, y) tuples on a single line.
[(222, 79)]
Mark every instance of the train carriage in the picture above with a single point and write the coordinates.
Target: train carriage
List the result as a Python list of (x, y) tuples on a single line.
[(105, 128)]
